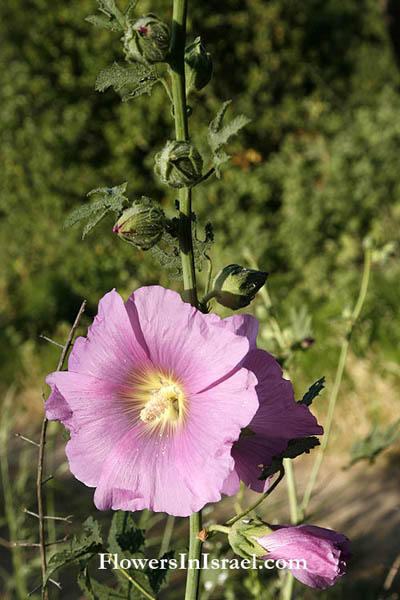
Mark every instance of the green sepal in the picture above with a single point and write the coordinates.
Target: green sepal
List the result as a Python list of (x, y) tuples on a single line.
[(242, 536)]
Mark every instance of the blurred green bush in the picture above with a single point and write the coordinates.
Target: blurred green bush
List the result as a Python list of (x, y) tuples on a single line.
[(316, 170)]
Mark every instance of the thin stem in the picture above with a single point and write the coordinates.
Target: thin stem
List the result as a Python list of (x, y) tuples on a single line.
[(208, 297), (166, 539), (292, 493), (40, 467), (129, 578), (239, 499), (221, 528), (166, 87), (193, 574), (8, 493), (42, 540), (338, 379), (287, 590), (261, 499)]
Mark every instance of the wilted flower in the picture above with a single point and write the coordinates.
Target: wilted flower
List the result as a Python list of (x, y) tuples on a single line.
[(147, 40), (179, 164), (278, 419), (154, 398), (321, 554)]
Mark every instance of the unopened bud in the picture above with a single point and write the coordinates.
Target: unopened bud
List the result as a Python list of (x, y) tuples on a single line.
[(147, 40), (179, 164), (236, 286), (242, 537), (306, 343), (142, 225), (198, 66)]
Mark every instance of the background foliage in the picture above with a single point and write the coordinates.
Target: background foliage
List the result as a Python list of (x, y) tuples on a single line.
[(315, 172)]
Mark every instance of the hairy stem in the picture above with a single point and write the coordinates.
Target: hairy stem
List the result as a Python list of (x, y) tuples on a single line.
[(177, 66)]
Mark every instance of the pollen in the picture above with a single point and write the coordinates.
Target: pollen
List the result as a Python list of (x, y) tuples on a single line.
[(162, 401), (157, 399)]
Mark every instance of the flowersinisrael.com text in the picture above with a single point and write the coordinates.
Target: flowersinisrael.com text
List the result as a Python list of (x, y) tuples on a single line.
[(182, 562)]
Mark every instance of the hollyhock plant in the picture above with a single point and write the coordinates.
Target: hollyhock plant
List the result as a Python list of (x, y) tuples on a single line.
[(324, 551), (154, 398)]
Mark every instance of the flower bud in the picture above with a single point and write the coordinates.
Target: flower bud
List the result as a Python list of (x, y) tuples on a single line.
[(179, 164), (242, 537), (236, 286), (147, 40), (142, 225), (198, 66), (317, 556)]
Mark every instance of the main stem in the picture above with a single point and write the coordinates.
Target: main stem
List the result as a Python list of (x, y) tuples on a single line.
[(177, 66)]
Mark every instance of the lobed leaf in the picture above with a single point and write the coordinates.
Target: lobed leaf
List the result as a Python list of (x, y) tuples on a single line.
[(219, 135), (375, 442), (86, 545), (130, 82), (112, 199)]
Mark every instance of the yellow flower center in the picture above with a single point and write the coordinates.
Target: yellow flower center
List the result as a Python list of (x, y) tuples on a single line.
[(156, 399), (163, 403)]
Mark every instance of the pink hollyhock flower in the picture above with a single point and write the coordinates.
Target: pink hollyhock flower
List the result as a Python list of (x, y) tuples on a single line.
[(154, 398), (324, 551), (278, 419)]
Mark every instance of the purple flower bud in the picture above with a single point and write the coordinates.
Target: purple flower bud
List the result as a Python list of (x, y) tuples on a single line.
[(146, 40), (319, 556), (307, 342)]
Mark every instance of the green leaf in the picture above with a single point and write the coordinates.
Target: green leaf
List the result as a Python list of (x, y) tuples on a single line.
[(218, 135), (294, 448), (313, 392), (109, 8), (130, 82), (375, 442), (104, 22), (89, 543), (167, 253), (130, 7), (113, 20), (201, 247), (124, 534), (94, 589), (111, 199), (157, 577)]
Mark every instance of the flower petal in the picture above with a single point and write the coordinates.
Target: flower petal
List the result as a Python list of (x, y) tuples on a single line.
[(198, 348), (180, 472), (324, 551), (91, 410), (278, 420), (111, 348)]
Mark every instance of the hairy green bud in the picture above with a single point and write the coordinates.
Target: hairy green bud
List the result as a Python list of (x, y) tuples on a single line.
[(236, 286), (242, 537), (198, 66), (147, 40), (142, 225), (179, 164)]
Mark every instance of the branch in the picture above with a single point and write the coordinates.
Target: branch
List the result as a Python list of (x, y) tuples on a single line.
[(39, 478)]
